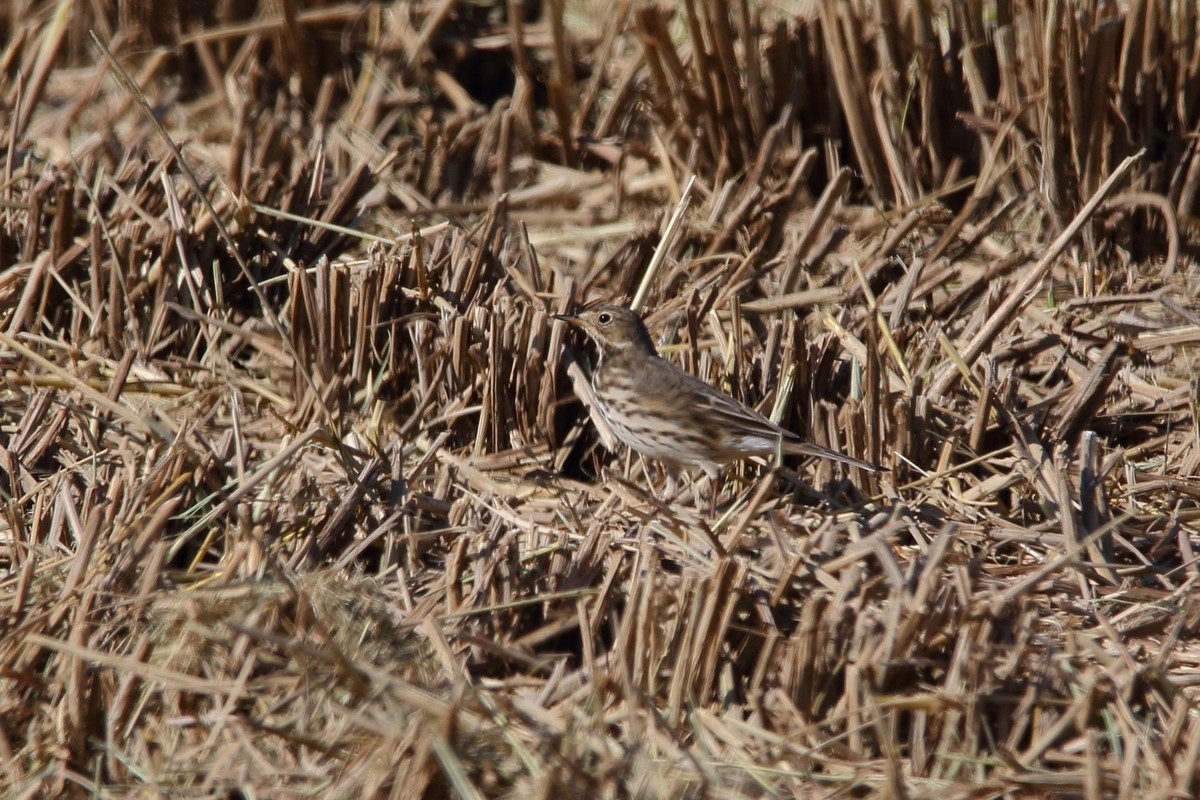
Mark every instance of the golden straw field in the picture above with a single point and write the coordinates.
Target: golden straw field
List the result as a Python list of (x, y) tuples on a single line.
[(300, 492)]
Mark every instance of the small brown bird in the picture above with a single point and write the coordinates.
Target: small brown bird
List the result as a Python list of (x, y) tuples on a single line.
[(662, 412)]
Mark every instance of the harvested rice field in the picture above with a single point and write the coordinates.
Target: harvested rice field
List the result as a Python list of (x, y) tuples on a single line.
[(301, 492)]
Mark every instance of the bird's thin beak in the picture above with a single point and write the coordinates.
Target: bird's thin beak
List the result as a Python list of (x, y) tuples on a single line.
[(570, 319)]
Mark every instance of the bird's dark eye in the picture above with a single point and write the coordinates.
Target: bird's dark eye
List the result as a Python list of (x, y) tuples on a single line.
[(604, 317)]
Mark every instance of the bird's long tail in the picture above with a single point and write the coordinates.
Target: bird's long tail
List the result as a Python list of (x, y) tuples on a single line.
[(810, 449)]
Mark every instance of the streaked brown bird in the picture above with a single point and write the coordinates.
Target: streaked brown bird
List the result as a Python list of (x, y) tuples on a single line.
[(662, 412)]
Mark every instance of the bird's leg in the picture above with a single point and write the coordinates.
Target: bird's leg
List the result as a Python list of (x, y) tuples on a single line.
[(672, 485), (646, 473), (714, 489)]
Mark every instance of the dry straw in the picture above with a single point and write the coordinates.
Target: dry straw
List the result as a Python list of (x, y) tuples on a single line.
[(298, 498)]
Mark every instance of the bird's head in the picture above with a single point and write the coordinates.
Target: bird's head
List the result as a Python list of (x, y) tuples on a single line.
[(613, 328)]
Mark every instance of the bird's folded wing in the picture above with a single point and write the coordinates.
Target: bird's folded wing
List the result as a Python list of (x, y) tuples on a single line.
[(711, 404), (747, 429)]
